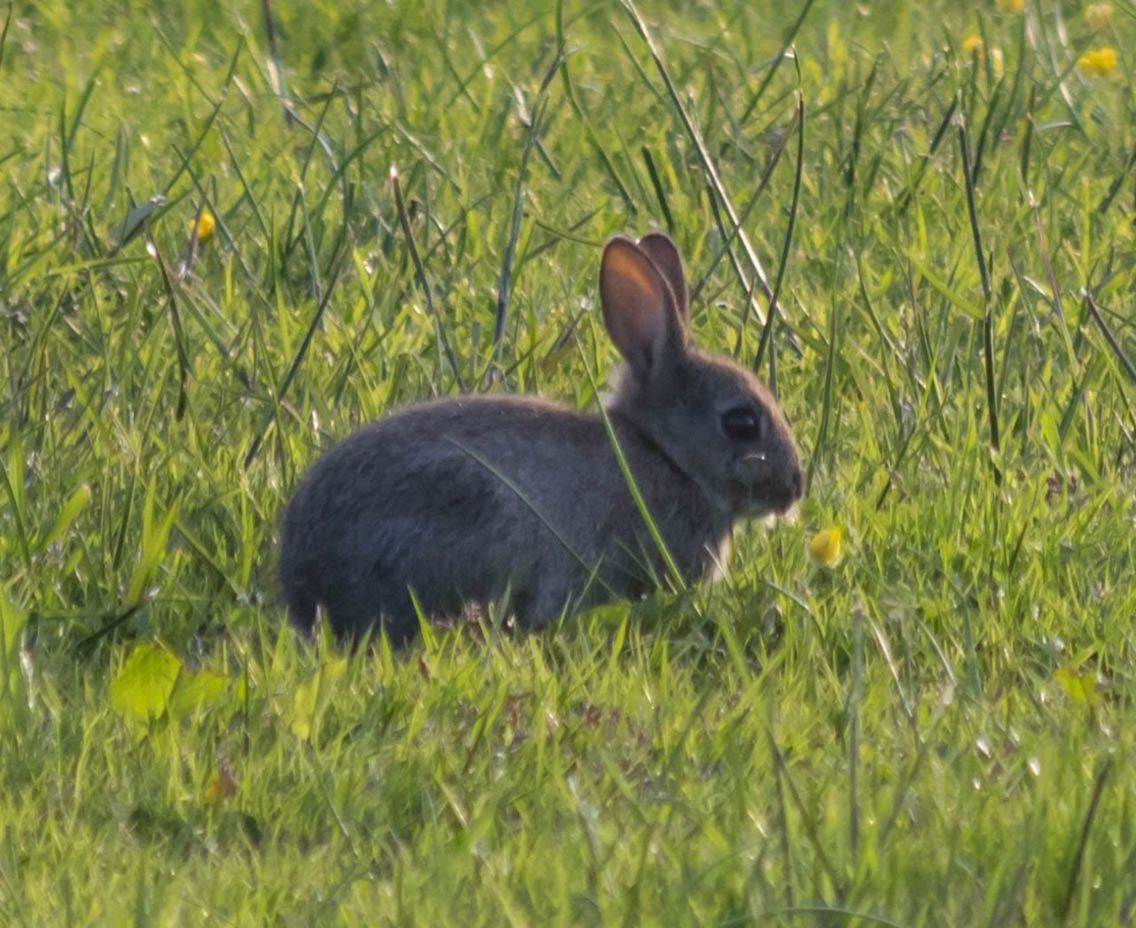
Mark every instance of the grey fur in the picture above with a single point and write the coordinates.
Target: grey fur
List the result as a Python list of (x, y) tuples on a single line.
[(473, 499)]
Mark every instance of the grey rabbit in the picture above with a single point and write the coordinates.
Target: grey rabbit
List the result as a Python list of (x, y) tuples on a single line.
[(518, 500)]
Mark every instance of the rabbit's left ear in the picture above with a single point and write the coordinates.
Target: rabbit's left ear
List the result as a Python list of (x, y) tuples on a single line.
[(639, 309), (659, 247)]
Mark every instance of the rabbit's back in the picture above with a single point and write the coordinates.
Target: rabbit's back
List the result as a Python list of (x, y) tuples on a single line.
[(472, 499)]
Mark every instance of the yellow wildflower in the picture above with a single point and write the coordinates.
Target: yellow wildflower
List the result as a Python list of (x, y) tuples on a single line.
[(996, 62), (827, 547), (973, 47), (1010, 6), (1098, 15), (205, 224), (1097, 62)]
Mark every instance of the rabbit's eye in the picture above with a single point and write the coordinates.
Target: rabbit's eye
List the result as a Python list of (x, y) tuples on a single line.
[(742, 423)]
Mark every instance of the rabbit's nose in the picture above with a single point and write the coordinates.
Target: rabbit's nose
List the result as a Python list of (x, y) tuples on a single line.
[(797, 483)]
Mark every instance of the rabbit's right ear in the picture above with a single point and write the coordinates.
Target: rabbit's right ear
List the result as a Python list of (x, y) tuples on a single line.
[(659, 247), (638, 308)]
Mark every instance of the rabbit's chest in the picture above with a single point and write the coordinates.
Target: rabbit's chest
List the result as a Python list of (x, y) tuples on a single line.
[(694, 543)]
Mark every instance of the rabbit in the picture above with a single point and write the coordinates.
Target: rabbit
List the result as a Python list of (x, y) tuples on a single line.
[(518, 500)]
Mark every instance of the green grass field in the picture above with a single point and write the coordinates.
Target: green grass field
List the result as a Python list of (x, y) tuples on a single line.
[(939, 730)]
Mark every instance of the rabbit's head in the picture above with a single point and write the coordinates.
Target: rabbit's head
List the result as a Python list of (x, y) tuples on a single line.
[(712, 418)]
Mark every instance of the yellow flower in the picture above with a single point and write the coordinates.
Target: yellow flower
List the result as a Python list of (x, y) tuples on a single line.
[(1010, 6), (973, 47), (1097, 62), (996, 61), (1098, 15), (205, 224), (827, 547)]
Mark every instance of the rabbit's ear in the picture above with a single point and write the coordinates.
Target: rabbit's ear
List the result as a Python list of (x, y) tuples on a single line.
[(664, 255), (638, 307)]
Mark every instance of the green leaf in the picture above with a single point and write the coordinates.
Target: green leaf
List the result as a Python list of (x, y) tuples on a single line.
[(12, 621), (155, 537), (141, 691), (312, 696), (304, 707), (13, 695), (67, 515), (195, 691), (1080, 686), (135, 219), (937, 282)]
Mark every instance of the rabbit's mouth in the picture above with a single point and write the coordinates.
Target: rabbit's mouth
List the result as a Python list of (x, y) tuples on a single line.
[(761, 506), (764, 500), (763, 491)]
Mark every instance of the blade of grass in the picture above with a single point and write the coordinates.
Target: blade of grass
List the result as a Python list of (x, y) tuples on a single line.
[(423, 282), (589, 129), (660, 195), (504, 280), (1115, 187), (803, 809), (276, 76), (855, 695), (907, 196), (695, 135), (785, 51), (1094, 311), (1086, 827), (774, 304), (175, 322), (294, 367), (987, 309), (728, 235), (4, 32)]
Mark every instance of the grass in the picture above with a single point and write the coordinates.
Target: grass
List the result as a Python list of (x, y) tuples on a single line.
[(937, 732)]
